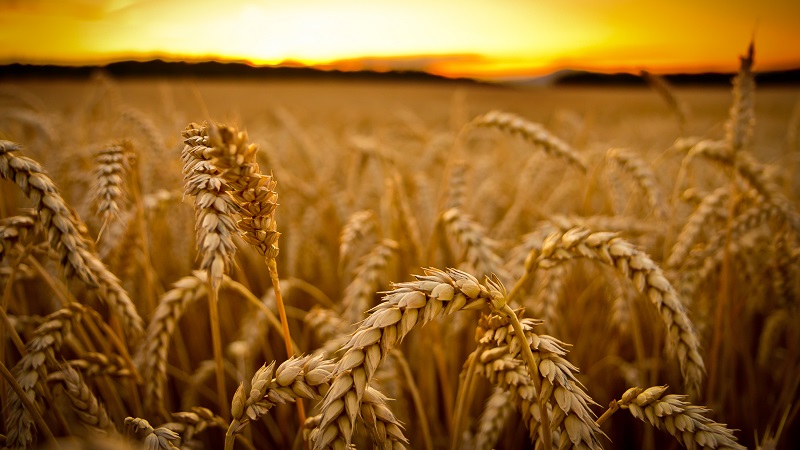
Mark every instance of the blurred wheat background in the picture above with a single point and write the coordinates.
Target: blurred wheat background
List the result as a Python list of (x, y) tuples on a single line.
[(157, 235)]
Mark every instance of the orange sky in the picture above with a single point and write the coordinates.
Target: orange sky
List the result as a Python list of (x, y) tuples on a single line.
[(485, 39)]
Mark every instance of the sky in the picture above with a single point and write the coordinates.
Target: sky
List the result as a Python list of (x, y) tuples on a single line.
[(477, 38)]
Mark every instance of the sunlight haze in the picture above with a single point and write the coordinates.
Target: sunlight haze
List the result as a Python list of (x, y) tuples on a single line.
[(467, 38)]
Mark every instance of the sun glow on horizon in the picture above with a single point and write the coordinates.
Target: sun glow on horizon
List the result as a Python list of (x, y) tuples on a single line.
[(467, 38)]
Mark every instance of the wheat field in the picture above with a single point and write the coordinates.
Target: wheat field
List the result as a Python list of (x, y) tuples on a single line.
[(298, 264)]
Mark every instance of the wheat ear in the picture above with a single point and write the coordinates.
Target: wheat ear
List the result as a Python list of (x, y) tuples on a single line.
[(408, 304), (64, 232), (358, 295), (531, 132), (686, 422), (42, 348), (565, 399), (90, 411), (712, 204), (112, 166), (360, 226), (665, 90), (741, 117), (256, 200), (160, 438), (479, 249), (306, 377), (642, 175), (496, 413), (13, 231), (647, 277)]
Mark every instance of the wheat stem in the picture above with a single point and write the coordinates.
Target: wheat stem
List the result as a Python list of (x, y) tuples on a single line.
[(33, 410), (533, 370), (216, 342), (272, 265)]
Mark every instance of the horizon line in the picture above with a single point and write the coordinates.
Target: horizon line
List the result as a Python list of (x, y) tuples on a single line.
[(408, 63)]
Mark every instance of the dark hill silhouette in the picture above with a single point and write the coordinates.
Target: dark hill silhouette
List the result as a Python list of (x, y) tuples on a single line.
[(580, 78), (213, 69)]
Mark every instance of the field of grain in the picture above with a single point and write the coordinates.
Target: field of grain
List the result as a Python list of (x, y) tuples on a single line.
[(161, 239)]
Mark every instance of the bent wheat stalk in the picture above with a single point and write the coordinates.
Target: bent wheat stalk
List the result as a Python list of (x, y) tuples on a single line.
[(647, 277), (561, 396), (66, 235), (47, 339), (532, 132), (686, 422), (407, 305)]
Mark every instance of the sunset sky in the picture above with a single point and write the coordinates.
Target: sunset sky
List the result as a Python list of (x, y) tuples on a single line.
[(484, 39)]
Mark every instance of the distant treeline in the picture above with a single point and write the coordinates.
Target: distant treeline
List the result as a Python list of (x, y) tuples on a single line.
[(212, 69), (784, 77)]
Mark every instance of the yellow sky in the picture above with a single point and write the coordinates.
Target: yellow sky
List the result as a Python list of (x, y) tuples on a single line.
[(487, 38)]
